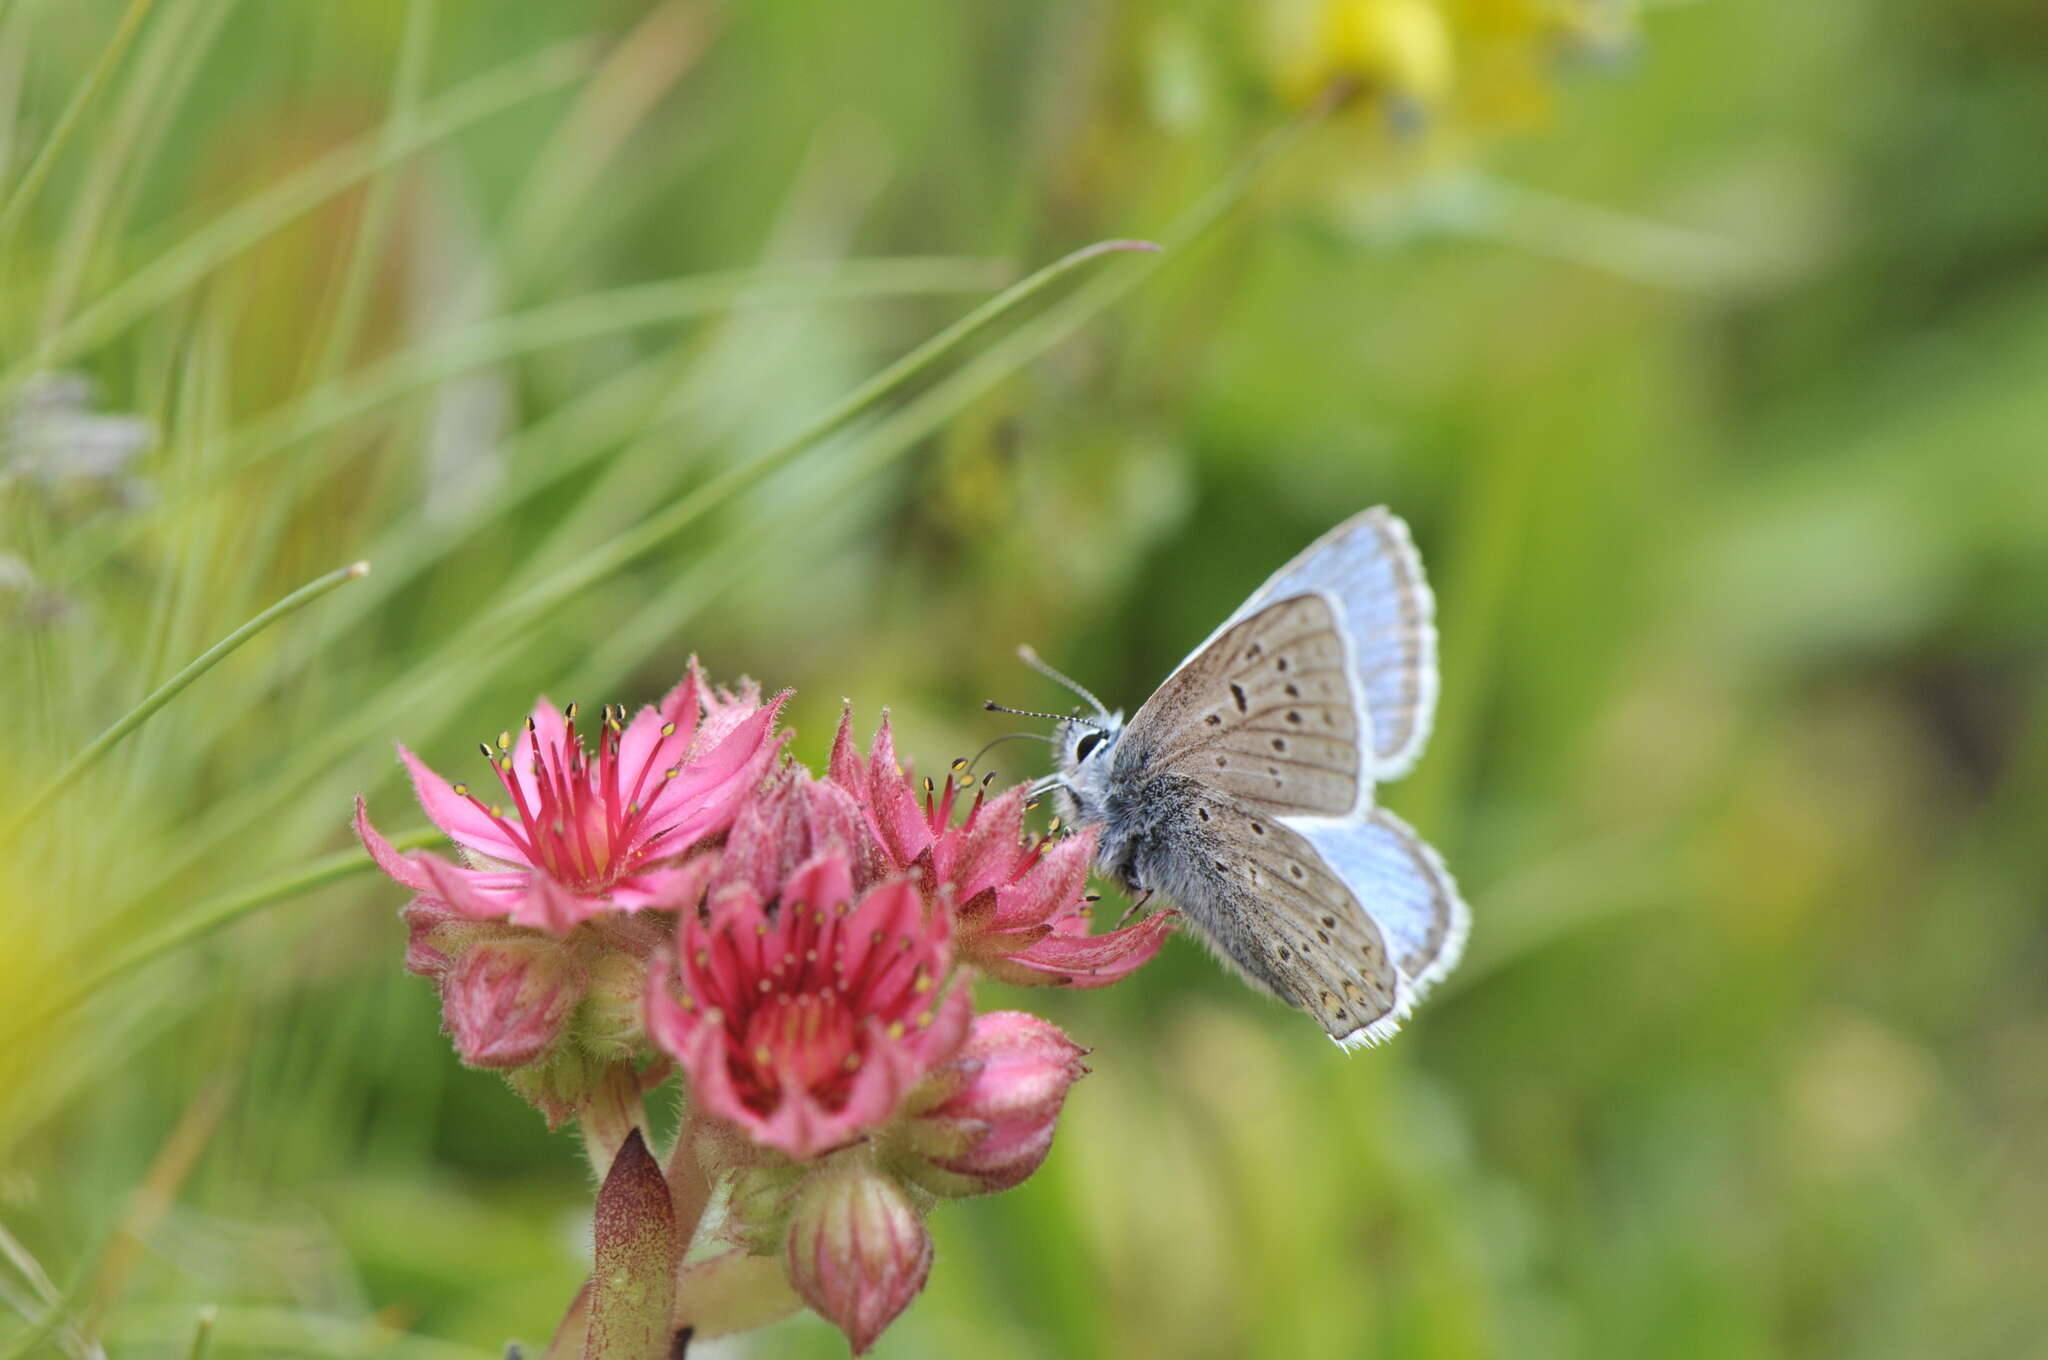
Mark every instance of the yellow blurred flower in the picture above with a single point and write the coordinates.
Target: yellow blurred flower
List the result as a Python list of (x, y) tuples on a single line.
[(1425, 66)]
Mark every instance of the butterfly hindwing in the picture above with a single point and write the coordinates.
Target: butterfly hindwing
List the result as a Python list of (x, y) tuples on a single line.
[(1262, 896), (1404, 885)]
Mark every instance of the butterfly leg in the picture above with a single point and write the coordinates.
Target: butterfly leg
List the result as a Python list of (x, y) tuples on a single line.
[(1134, 908)]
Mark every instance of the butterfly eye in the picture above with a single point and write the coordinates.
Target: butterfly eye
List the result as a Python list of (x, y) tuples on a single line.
[(1088, 744)]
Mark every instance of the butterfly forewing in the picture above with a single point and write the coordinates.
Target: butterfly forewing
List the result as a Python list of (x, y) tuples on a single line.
[(1266, 712), (1270, 904), (1369, 565)]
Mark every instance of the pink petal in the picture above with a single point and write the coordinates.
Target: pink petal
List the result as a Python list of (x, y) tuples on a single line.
[(456, 815), (1052, 887), (1086, 960), (986, 853), (640, 743), (385, 855), (479, 894), (684, 704), (704, 797), (822, 883), (899, 818), (671, 887), (549, 906), (846, 768)]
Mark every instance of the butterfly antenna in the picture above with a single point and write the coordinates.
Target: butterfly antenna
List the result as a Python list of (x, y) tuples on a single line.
[(993, 707), (1037, 663)]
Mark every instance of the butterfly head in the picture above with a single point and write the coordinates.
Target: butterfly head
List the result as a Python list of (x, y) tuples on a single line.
[(1086, 749)]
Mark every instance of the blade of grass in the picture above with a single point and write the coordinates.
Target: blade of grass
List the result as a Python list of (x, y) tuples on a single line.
[(210, 917), (169, 690), (366, 244), (660, 527), (152, 91), (594, 316), (67, 122), (256, 217)]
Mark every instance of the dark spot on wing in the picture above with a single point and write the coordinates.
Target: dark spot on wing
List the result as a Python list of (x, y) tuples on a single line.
[(1237, 693)]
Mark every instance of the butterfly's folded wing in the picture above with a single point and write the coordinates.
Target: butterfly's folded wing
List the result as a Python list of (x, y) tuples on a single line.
[(1403, 884), (1254, 765), (1369, 567), (1268, 712), (1261, 895)]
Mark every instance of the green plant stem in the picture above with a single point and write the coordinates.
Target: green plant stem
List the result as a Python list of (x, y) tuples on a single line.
[(202, 1333), (212, 916), (75, 769)]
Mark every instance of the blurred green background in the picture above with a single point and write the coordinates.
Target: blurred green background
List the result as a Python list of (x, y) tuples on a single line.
[(1711, 378)]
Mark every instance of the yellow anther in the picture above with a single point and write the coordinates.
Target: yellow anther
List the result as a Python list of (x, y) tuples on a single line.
[(462, 790), (896, 1029), (960, 764), (668, 729)]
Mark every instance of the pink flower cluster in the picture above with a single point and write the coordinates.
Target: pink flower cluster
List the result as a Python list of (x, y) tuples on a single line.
[(669, 892)]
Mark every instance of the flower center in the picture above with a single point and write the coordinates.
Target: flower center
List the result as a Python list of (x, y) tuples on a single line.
[(584, 821)]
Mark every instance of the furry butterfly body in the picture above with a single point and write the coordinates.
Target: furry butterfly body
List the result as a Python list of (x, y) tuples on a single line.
[(1243, 789)]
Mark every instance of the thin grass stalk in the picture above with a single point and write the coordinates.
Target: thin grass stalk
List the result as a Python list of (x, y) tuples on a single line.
[(67, 122), (264, 212), (76, 768)]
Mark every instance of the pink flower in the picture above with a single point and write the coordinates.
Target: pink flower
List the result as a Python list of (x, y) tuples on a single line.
[(588, 834), (804, 1018), (857, 1250), (1019, 904), (992, 1110)]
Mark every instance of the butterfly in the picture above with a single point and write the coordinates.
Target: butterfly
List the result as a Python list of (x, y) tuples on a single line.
[(1243, 789)]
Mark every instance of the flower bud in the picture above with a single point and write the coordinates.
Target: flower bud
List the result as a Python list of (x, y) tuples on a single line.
[(435, 937), (986, 1119), (857, 1251), (504, 1003)]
